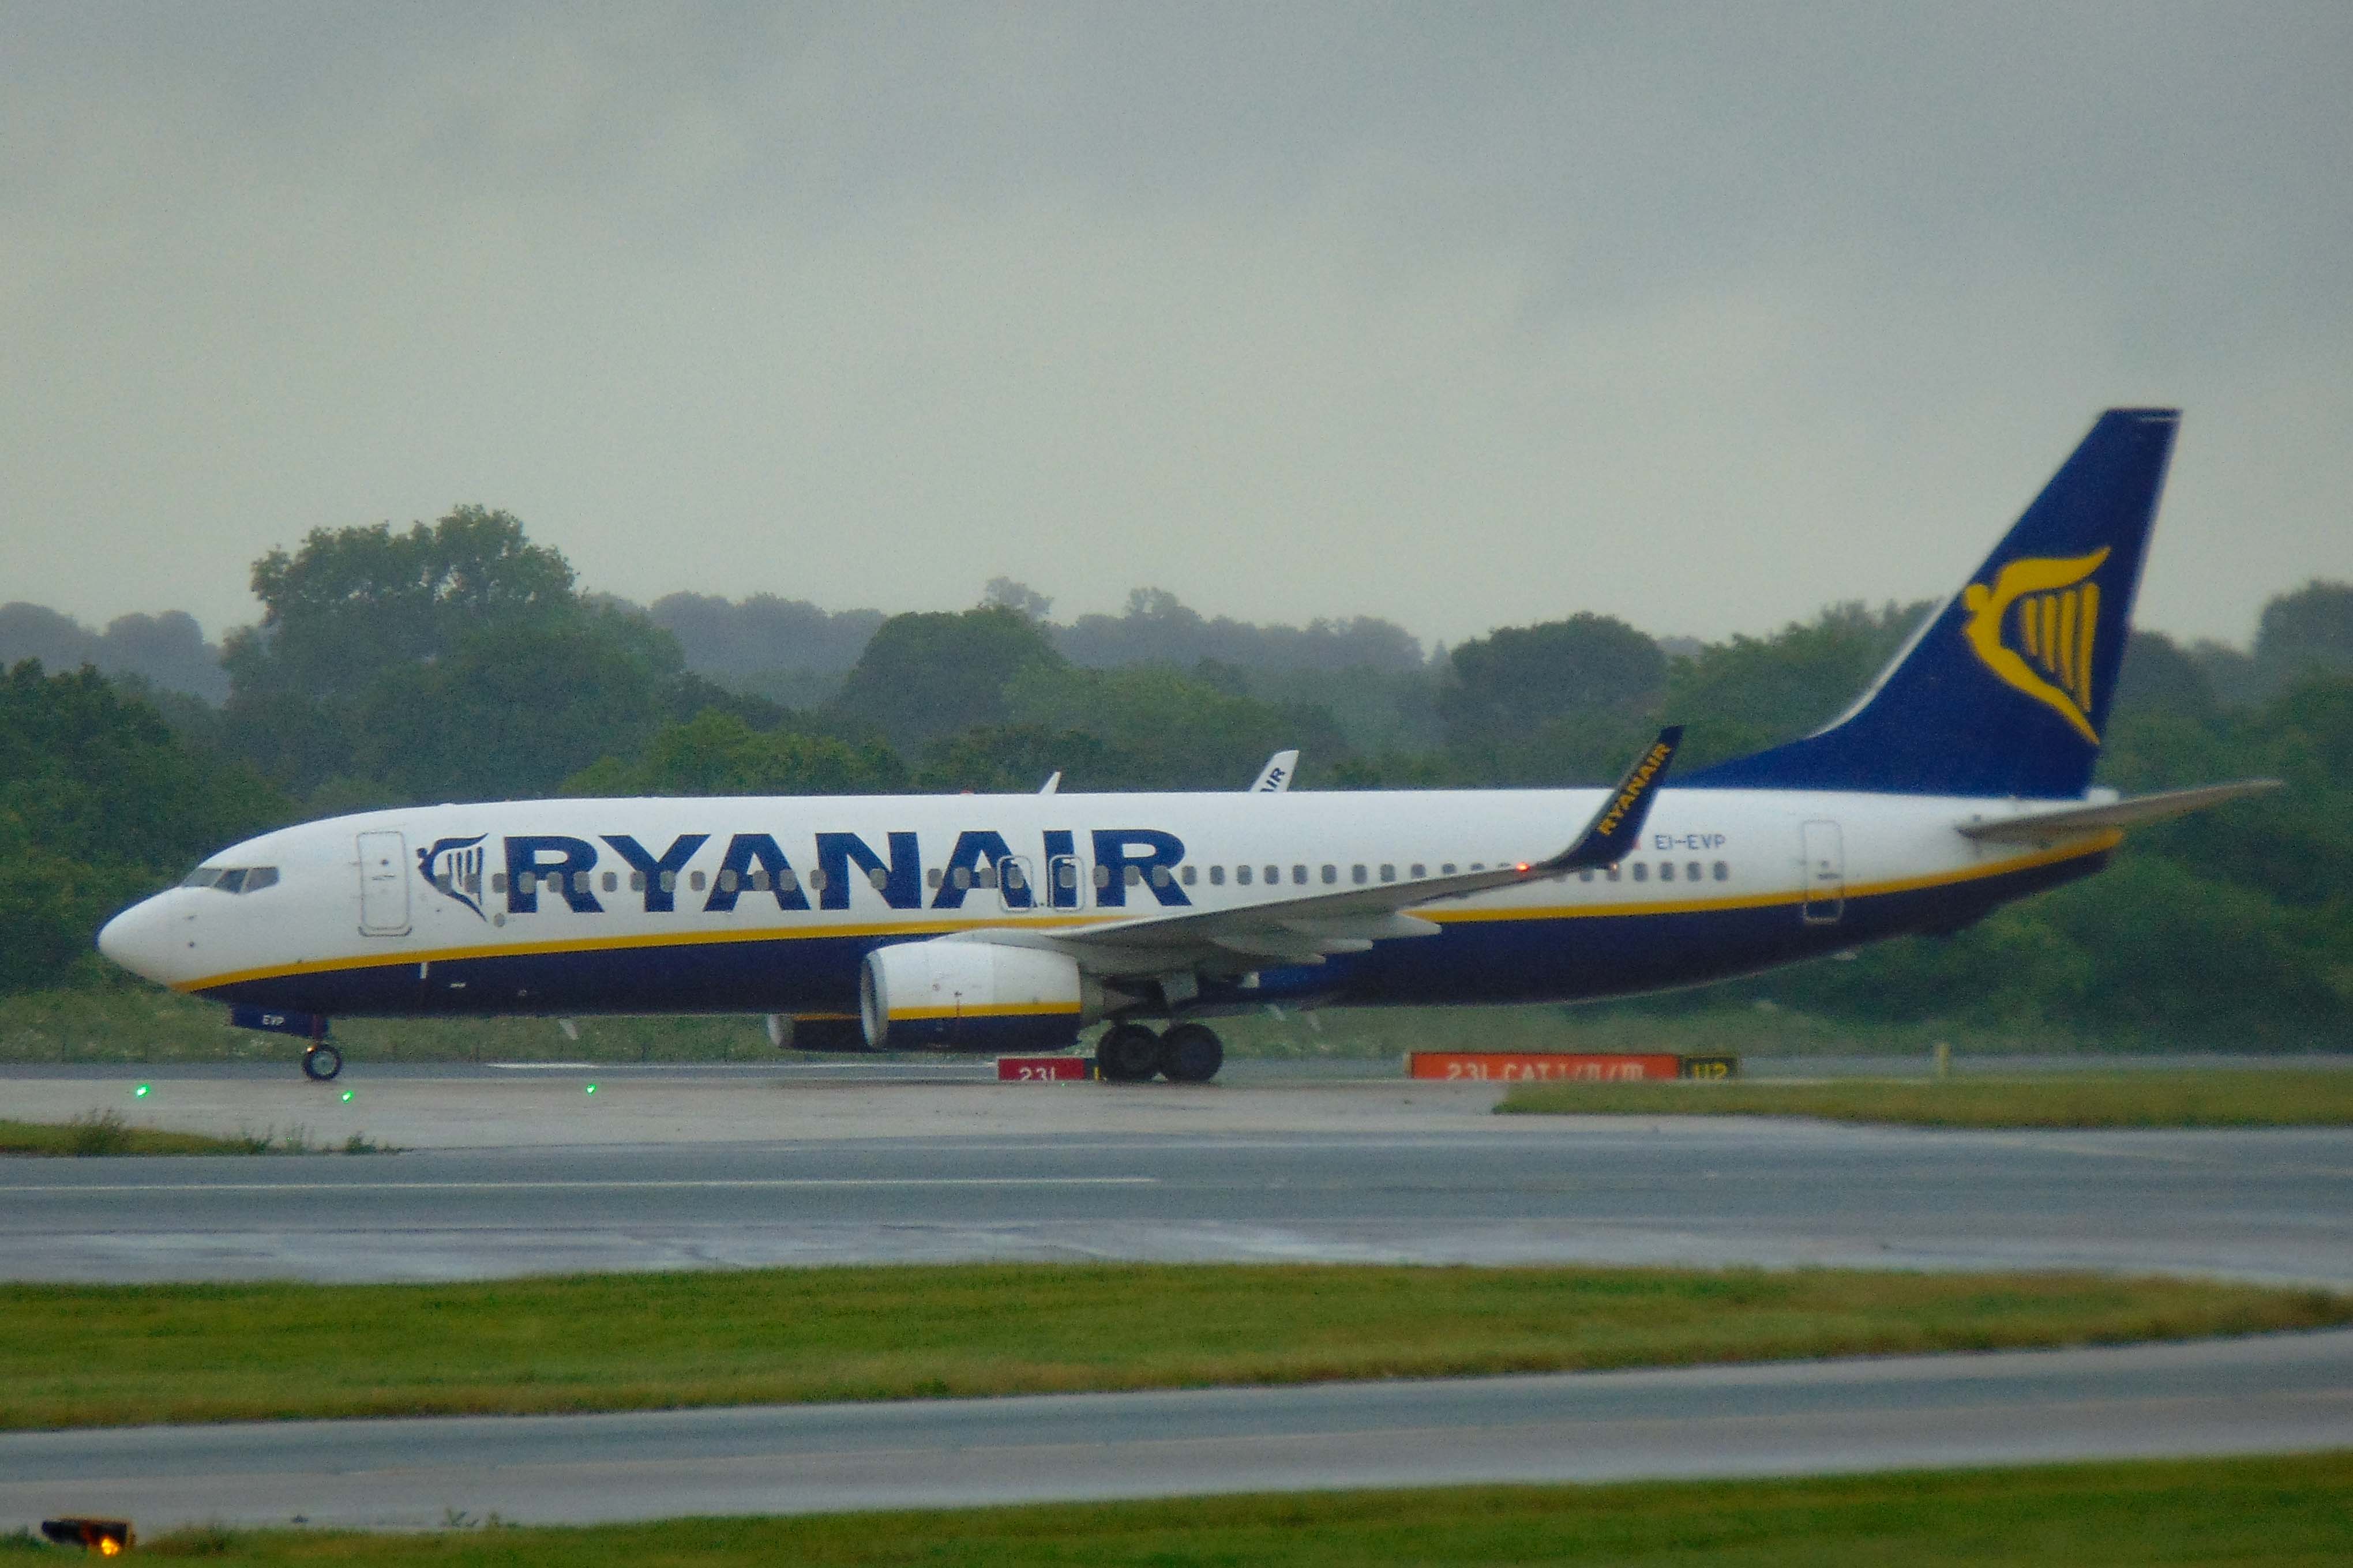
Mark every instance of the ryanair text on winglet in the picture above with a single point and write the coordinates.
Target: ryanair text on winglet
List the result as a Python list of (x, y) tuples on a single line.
[(1638, 783)]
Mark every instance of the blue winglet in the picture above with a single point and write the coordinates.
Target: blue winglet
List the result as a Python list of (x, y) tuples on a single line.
[(1617, 829)]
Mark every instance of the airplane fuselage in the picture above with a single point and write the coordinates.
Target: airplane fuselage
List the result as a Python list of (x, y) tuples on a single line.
[(572, 907)]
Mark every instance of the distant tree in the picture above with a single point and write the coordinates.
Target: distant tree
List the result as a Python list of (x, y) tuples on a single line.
[(2157, 673), (1155, 629), (1005, 594), (928, 676), (168, 651), (355, 601), (1166, 729), (1515, 678), (99, 802), (2308, 632), (764, 639), (2230, 671), (1752, 692), (716, 753), (1017, 759)]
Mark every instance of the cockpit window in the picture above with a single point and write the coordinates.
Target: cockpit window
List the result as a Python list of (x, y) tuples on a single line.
[(232, 879)]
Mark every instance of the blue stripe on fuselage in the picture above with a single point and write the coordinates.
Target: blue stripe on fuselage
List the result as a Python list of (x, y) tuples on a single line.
[(1542, 958)]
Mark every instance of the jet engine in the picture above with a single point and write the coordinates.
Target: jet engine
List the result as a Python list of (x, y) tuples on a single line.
[(972, 996)]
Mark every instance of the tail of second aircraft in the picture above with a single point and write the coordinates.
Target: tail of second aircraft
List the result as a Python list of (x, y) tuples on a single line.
[(2005, 691)]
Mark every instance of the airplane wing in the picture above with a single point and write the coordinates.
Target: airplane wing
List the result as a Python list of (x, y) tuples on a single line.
[(1305, 929), (2037, 826), (1275, 777)]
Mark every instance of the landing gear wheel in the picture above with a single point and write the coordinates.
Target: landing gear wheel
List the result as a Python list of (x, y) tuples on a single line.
[(1128, 1053), (1191, 1053), (322, 1062)]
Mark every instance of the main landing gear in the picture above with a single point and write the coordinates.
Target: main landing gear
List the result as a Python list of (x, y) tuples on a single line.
[(1187, 1053)]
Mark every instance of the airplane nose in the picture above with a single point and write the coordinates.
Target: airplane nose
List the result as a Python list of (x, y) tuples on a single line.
[(137, 940)]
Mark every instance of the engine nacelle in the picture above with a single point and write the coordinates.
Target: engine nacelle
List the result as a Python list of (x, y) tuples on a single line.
[(972, 996)]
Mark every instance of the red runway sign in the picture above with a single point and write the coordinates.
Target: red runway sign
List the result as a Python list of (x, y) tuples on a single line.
[(1543, 1066)]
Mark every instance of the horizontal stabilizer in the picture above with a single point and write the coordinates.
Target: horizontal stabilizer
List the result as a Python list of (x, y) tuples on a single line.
[(2035, 826)]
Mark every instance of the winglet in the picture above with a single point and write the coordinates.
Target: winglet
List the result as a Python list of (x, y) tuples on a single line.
[(1617, 829), (1275, 777)]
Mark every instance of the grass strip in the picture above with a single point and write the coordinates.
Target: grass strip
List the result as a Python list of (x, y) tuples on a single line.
[(112, 1355), (2277, 1512), (104, 1133), (2285, 1098)]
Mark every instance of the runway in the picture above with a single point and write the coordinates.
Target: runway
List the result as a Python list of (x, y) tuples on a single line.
[(1345, 1170), (2271, 1394)]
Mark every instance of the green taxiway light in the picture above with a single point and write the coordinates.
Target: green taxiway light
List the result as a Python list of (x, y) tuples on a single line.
[(347, 1095), (591, 1090), (139, 1093)]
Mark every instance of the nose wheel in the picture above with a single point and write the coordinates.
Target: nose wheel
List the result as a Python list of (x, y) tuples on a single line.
[(322, 1062)]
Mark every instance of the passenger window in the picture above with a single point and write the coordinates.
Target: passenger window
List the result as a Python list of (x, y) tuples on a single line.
[(1331, 875), (1478, 865), (964, 877), (759, 881), (1447, 870), (669, 881), (1298, 876), (935, 877), (1358, 876), (498, 881), (445, 883), (1159, 876), (986, 877), (1722, 872), (1134, 878), (1218, 875), (1102, 875), (726, 881), (879, 879), (1417, 872), (694, 879), (1010, 873), (1241, 876), (1585, 875), (1191, 876), (1692, 870), (1610, 872), (817, 880), (1274, 875), (1388, 873), (636, 881), (787, 880), (1666, 871), (1068, 876), (1641, 870), (612, 882)]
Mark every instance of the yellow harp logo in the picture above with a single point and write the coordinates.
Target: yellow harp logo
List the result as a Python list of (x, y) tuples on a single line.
[(2050, 611)]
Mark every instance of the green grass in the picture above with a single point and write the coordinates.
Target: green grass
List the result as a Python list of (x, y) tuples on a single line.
[(2284, 1098), (102, 1133), (2282, 1512), (89, 1355)]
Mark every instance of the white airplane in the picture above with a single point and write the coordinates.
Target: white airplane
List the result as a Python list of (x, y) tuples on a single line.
[(1958, 782)]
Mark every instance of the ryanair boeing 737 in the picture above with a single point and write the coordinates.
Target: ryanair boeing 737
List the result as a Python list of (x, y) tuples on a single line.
[(1958, 782)]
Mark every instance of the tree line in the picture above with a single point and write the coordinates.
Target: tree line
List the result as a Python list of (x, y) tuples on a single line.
[(461, 659)]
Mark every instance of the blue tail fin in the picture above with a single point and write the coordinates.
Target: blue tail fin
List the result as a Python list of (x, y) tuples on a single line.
[(2006, 690)]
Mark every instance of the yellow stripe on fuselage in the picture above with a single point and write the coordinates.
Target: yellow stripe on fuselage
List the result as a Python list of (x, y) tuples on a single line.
[(2094, 845)]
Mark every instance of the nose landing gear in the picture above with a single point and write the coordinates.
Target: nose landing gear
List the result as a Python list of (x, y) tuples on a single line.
[(1189, 1053), (321, 1061)]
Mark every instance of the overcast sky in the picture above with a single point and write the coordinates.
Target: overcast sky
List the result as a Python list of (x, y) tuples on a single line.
[(1703, 316)]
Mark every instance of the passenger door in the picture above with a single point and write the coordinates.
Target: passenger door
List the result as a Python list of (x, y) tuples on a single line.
[(383, 884)]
